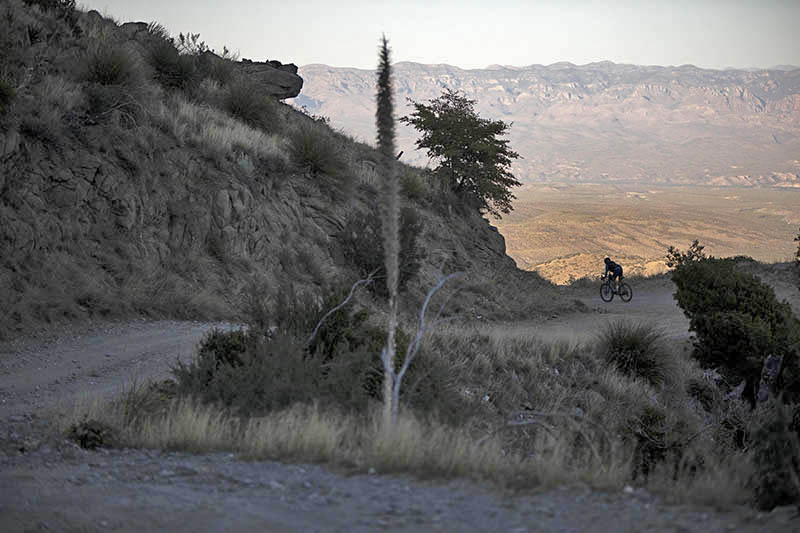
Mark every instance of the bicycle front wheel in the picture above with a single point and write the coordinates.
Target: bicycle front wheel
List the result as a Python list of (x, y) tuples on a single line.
[(625, 292), (606, 292)]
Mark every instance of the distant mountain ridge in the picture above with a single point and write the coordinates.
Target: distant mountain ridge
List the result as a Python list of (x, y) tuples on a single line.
[(601, 121)]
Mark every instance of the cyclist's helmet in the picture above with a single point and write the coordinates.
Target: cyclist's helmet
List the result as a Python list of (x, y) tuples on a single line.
[(607, 260)]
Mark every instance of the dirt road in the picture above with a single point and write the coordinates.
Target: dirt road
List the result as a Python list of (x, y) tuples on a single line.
[(652, 303), (75, 490), (53, 372), (56, 486)]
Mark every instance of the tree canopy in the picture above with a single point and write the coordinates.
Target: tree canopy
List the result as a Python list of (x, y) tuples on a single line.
[(472, 158)]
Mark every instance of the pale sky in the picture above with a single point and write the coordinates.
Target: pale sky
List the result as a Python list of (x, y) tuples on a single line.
[(475, 34)]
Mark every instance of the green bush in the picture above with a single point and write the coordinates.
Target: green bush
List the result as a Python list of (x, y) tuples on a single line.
[(738, 321), (247, 102), (264, 369), (636, 350), (362, 246)]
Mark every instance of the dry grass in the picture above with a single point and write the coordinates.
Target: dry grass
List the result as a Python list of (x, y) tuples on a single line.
[(302, 433), (217, 133)]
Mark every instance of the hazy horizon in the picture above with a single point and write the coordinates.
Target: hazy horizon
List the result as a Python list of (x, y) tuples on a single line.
[(715, 34), (508, 66)]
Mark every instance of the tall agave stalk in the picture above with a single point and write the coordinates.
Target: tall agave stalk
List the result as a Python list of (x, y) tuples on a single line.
[(390, 217)]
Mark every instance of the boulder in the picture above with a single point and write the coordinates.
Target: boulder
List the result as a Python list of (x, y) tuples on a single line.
[(278, 80)]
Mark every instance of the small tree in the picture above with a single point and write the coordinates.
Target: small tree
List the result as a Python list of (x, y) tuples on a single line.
[(473, 160)]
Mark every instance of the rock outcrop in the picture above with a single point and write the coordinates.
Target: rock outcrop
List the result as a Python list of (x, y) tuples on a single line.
[(276, 79)]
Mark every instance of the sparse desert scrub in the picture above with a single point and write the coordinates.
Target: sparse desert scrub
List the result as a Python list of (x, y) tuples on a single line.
[(533, 414)]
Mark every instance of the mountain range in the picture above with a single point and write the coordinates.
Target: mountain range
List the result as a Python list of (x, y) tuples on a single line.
[(600, 122)]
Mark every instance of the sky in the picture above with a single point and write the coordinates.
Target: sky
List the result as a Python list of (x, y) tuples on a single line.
[(476, 34)]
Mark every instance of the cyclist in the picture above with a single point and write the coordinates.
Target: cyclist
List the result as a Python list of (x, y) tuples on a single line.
[(614, 270)]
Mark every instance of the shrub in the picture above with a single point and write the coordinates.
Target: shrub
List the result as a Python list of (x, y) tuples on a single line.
[(112, 65), (91, 434), (255, 372), (362, 246), (316, 150), (413, 185), (245, 101), (636, 350), (116, 83), (173, 70), (224, 348), (738, 321)]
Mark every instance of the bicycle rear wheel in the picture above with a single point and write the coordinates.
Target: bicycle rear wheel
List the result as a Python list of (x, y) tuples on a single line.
[(625, 292), (606, 292)]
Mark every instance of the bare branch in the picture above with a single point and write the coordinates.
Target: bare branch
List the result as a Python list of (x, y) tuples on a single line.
[(369, 279), (413, 347)]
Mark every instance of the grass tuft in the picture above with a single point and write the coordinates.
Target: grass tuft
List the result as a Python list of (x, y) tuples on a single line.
[(315, 149), (637, 350)]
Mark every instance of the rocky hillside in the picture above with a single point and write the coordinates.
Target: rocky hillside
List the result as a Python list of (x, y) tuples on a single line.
[(604, 121), (146, 175)]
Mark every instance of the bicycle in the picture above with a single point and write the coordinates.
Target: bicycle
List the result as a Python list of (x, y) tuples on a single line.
[(607, 290)]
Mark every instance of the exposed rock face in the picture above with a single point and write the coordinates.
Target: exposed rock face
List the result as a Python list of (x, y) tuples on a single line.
[(278, 80), (602, 122)]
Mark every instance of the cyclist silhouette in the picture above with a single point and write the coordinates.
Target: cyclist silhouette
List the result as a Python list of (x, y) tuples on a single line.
[(613, 270)]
